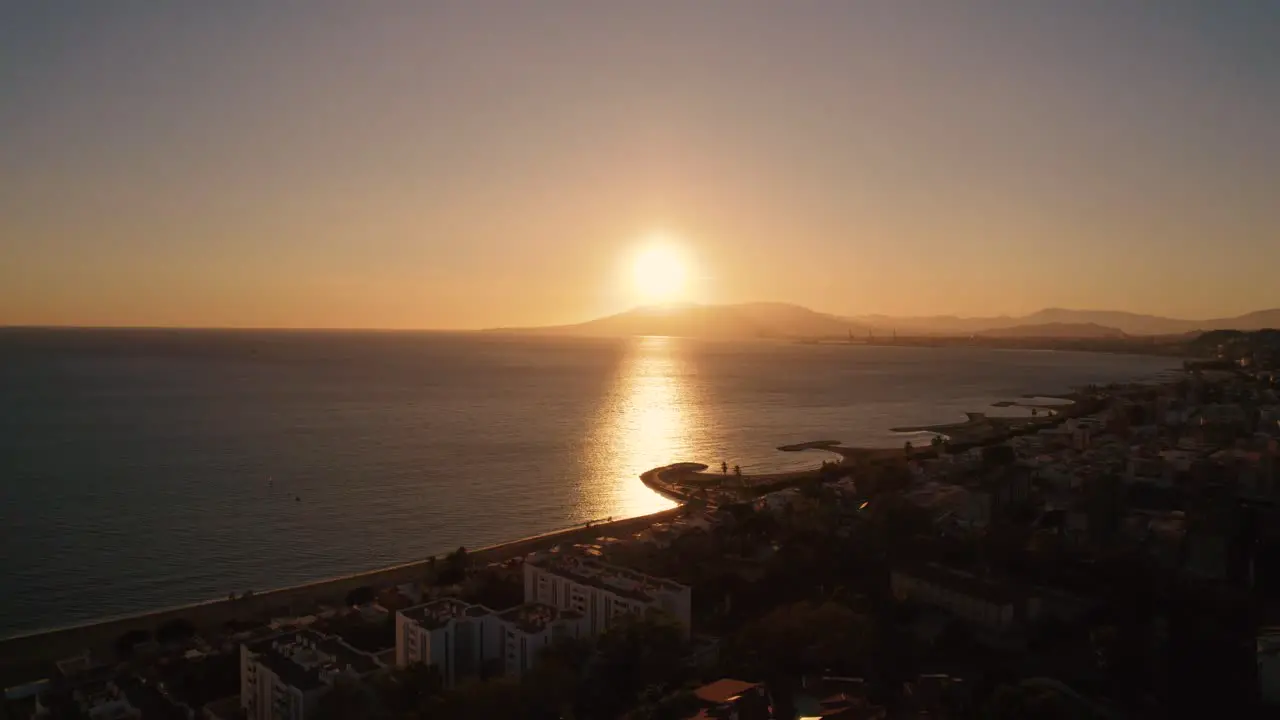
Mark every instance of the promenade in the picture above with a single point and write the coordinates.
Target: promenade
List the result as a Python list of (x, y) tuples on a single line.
[(23, 657)]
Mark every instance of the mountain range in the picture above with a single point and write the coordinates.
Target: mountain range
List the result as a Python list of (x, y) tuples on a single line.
[(782, 320), (1125, 322)]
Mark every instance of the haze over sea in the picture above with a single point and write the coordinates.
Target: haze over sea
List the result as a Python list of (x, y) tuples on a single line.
[(146, 468)]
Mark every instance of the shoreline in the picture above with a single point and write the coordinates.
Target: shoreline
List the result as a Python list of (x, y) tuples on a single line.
[(30, 650), (26, 651)]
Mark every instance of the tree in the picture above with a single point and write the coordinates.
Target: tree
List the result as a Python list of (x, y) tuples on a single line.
[(175, 631), (347, 700), (573, 653), (681, 704), (998, 455), (410, 689), (907, 447), (551, 686), (639, 651), (737, 470), (125, 644), (801, 638), (1014, 702), (502, 698), (936, 441), (459, 557), (455, 567), (362, 595)]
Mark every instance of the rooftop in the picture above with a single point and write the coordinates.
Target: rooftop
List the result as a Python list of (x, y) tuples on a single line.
[(535, 617), (308, 660), (723, 690), (438, 613), (150, 701), (619, 580)]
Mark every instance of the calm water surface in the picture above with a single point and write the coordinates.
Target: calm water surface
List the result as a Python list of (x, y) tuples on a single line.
[(140, 469)]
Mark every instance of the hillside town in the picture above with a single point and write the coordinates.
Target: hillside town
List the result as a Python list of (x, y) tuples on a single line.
[(1113, 556)]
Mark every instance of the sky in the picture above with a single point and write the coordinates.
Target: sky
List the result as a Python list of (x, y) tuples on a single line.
[(474, 164)]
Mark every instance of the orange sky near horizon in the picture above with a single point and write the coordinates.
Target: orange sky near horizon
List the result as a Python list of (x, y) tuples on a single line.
[(442, 165)]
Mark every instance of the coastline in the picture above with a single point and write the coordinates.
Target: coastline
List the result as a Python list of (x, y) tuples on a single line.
[(26, 651)]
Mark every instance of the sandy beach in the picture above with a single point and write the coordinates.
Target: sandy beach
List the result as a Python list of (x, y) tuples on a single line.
[(22, 657)]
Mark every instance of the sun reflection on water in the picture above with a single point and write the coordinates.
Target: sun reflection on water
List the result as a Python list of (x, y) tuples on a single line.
[(649, 419)]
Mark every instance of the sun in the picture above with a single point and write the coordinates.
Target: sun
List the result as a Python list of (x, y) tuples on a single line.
[(660, 272)]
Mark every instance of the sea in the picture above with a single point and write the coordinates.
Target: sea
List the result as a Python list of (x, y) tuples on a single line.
[(141, 469)]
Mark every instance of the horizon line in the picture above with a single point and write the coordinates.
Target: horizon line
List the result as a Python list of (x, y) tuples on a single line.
[(496, 328)]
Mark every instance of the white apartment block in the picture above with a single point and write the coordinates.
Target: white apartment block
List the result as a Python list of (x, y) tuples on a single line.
[(285, 677), (459, 638), (454, 636), (601, 592), (530, 628)]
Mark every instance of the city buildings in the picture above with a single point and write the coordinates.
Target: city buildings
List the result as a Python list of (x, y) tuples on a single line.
[(530, 628), (286, 676), (987, 604), (462, 640), (95, 701), (454, 636), (566, 596), (600, 591)]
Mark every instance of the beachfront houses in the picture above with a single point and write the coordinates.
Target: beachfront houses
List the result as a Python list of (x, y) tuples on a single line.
[(601, 592), (286, 676)]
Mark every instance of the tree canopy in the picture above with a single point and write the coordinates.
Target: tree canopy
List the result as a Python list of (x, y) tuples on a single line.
[(804, 637), (175, 630), (362, 595), (125, 644)]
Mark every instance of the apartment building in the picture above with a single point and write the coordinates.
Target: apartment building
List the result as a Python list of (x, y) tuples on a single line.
[(599, 591), (286, 676), (530, 628), (461, 639), (454, 636)]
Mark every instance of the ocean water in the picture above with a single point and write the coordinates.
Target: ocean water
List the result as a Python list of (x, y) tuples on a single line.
[(142, 469)]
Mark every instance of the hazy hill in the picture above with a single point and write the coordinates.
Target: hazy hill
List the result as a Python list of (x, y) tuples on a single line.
[(1260, 320), (728, 322), (781, 320), (1125, 322), (1055, 330), (935, 324)]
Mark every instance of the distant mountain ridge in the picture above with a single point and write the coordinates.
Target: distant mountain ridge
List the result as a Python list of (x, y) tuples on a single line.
[(783, 320), (728, 322), (1125, 322), (1055, 330)]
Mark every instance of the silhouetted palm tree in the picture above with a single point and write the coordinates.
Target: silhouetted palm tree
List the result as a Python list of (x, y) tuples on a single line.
[(907, 447)]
